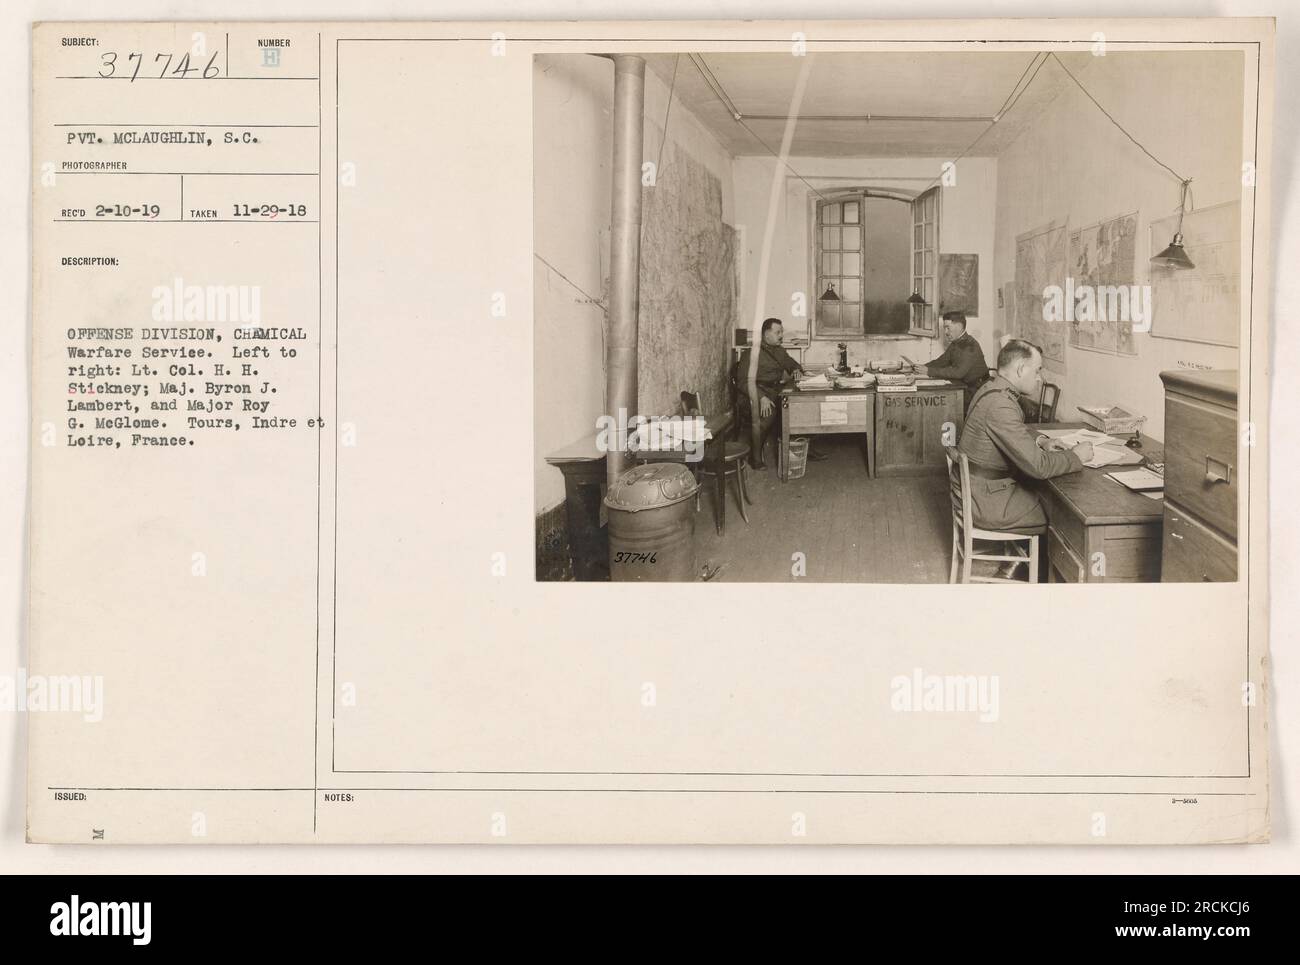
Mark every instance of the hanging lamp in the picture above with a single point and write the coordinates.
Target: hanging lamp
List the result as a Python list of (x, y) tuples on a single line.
[(1174, 256)]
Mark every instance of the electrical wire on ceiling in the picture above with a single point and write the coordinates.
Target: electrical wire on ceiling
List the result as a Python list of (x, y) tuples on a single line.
[(1121, 127), (1022, 85), (1012, 99), (736, 116)]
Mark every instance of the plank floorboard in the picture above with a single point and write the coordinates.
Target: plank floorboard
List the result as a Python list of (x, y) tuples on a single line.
[(850, 527)]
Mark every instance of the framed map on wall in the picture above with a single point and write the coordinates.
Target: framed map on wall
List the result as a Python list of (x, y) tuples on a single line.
[(1040, 264), (1105, 300), (959, 284)]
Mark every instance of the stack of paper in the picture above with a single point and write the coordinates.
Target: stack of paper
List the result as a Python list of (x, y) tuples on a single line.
[(1139, 480), (1106, 450), (819, 381)]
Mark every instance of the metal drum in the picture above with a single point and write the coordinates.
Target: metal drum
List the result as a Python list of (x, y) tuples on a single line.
[(652, 524)]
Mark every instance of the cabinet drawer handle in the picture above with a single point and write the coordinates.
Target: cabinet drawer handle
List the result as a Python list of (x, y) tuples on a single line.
[(1175, 535), (1216, 471)]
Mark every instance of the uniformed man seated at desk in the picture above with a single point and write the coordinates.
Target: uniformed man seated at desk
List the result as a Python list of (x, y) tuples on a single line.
[(1003, 451), (776, 369), (962, 361)]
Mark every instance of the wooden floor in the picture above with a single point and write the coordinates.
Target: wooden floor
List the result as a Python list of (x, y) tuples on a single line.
[(850, 528)]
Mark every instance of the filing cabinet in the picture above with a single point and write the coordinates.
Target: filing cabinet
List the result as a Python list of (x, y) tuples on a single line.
[(1202, 494)]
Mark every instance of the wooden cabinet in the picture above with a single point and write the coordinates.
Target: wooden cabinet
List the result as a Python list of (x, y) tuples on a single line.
[(910, 428), (1201, 477)]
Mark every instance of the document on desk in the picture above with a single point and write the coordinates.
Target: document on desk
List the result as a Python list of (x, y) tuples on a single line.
[(295, 578), (1106, 450)]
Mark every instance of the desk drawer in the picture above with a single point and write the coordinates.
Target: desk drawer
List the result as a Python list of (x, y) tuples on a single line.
[(841, 414), (1062, 559), (1192, 553), (1201, 460)]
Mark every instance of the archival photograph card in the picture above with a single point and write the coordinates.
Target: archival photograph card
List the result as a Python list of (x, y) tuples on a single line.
[(712, 432)]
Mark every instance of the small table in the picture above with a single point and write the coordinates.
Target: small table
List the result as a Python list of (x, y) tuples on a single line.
[(823, 411), (1088, 515), (583, 466)]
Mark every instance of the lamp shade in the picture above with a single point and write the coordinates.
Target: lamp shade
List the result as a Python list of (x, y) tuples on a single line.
[(829, 295), (915, 298), (1174, 256)]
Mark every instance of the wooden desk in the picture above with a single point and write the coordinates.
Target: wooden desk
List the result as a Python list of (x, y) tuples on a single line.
[(1097, 530), (910, 428), (825, 411), (904, 430)]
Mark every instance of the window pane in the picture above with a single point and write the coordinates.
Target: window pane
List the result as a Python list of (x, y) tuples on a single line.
[(850, 212), (831, 239), (852, 265), (929, 263), (851, 317), (831, 214), (918, 264), (929, 235), (929, 206), (829, 312), (850, 290), (918, 238), (831, 264), (927, 290), (852, 239)]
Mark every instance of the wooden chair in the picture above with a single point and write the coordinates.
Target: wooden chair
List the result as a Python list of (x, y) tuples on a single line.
[(965, 532), (723, 458), (1042, 410)]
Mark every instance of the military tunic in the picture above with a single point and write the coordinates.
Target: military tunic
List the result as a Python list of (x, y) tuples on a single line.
[(1000, 448), (774, 364), (962, 361)]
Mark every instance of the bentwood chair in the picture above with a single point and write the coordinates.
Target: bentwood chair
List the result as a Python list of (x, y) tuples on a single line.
[(723, 459), (1044, 410), (965, 534)]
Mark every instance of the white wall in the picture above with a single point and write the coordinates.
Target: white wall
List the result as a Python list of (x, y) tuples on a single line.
[(573, 98), (1072, 163), (966, 219)]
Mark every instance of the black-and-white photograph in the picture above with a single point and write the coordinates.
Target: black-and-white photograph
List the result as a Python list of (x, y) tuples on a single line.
[(967, 316)]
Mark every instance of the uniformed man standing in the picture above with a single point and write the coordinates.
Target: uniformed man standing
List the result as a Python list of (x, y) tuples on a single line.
[(1002, 450), (962, 361)]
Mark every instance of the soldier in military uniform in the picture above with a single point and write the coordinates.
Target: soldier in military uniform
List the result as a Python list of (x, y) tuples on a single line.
[(775, 370), (962, 361), (1002, 450)]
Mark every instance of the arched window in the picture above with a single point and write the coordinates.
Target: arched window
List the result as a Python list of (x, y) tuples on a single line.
[(866, 264)]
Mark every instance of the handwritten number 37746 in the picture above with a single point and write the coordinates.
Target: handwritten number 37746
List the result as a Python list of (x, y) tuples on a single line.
[(109, 63)]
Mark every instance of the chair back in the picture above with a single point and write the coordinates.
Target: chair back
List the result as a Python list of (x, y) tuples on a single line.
[(959, 488), (1046, 409), (690, 403)]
